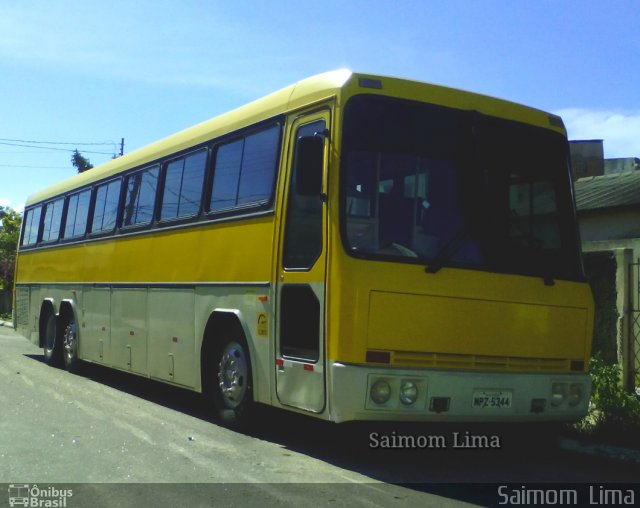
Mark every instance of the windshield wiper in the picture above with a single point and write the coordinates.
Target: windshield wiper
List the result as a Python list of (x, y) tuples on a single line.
[(535, 245), (449, 250)]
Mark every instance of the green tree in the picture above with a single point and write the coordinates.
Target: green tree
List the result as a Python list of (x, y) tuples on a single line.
[(10, 222), (80, 162)]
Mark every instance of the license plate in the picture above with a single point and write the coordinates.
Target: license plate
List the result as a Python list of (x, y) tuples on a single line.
[(488, 399)]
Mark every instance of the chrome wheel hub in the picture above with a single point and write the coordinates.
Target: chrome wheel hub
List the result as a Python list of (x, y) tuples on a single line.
[(69, 341), (233, 375)]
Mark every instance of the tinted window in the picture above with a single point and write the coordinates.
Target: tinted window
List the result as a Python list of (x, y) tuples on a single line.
[(226, 174), (533, 212), (140, 197), (77, 213), (258, 166), (244, 170), (31, 226), (300, 323), (444, 187), (303, 233), (183, 186), (106, 209), (52, 220)]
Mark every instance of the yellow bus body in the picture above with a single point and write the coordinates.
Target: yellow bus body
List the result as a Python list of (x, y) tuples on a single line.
[(380, 320)]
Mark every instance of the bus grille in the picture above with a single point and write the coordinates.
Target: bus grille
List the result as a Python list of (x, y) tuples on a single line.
[(479, 362)]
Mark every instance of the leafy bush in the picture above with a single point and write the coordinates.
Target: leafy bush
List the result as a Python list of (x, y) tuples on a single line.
[(614, 414)]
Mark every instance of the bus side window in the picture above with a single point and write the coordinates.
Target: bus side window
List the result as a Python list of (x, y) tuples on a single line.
[(52, 220), (259, 162), (225, 176), (31, 226), (106, 207), (77, 214), (183, 186), (244, 172), (140, 197)]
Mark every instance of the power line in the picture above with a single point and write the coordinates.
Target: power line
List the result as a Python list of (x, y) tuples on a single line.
[(52, 148), (58, 142), (33, 167), (39, 151)]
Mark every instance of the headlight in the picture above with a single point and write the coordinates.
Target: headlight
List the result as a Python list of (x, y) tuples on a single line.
[(558, 393), (575, 393), (408, 392), (380, 392)]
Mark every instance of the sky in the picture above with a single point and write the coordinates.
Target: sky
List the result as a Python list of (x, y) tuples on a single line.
[(86, 73)]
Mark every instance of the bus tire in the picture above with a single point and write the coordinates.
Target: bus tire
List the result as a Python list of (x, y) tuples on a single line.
[(232, 385), (70, 345), (52, 341)]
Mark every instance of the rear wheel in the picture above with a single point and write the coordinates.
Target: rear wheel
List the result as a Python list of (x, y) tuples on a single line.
[(70, 345), (232, 387), (52, 341)]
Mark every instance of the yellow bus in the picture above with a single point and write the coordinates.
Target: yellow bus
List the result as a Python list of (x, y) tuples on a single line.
[(352, 247)]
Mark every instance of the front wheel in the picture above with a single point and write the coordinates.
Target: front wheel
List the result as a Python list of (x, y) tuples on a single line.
[(70, 346), (232, 390)]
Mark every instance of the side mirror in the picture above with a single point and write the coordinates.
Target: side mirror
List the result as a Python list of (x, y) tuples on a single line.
[(309, 160)]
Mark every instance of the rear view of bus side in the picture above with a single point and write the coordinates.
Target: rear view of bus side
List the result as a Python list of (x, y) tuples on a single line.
[(352, 247)]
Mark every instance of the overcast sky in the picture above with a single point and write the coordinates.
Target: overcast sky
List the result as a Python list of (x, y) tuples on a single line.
[(88, 71)]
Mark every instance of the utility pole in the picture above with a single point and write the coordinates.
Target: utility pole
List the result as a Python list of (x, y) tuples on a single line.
[(121, 147)]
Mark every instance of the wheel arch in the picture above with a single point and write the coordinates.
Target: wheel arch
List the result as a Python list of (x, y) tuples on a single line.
[(48, 306), (67, 309)]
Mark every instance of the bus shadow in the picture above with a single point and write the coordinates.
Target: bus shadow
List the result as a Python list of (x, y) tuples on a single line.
[(172, 397), (449, 460)]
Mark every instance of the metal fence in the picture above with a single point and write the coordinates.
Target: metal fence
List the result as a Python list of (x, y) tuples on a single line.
[(634, 343)]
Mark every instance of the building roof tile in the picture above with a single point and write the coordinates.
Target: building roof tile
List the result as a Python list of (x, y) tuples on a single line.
[(606, 191)]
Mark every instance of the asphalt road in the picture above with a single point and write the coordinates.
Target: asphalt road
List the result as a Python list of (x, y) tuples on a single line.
[(158, 444)]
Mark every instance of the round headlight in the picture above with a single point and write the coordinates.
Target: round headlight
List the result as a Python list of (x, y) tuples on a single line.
[(558, 393), (380, 392), (408, 392), (575, 394)]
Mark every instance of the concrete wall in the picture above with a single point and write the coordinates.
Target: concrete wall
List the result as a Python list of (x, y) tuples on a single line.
[(608, 225), (621, 165)]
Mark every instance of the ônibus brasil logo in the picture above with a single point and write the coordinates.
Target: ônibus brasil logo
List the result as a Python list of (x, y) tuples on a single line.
[(23, 494)]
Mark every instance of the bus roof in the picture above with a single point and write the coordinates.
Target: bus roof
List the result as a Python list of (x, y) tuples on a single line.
[(295, 96)]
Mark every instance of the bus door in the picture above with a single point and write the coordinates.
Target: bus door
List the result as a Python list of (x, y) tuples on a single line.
[(300, 288)]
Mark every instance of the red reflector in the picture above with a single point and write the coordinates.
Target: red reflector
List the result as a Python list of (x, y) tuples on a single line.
[(279, 362), (263, 298), (378, 356), (308, 366)]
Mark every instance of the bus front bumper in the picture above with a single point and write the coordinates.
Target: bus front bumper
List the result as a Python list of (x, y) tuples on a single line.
[(372, 393)]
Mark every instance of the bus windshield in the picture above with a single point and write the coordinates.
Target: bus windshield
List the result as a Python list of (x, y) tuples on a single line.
[(445, 187)]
